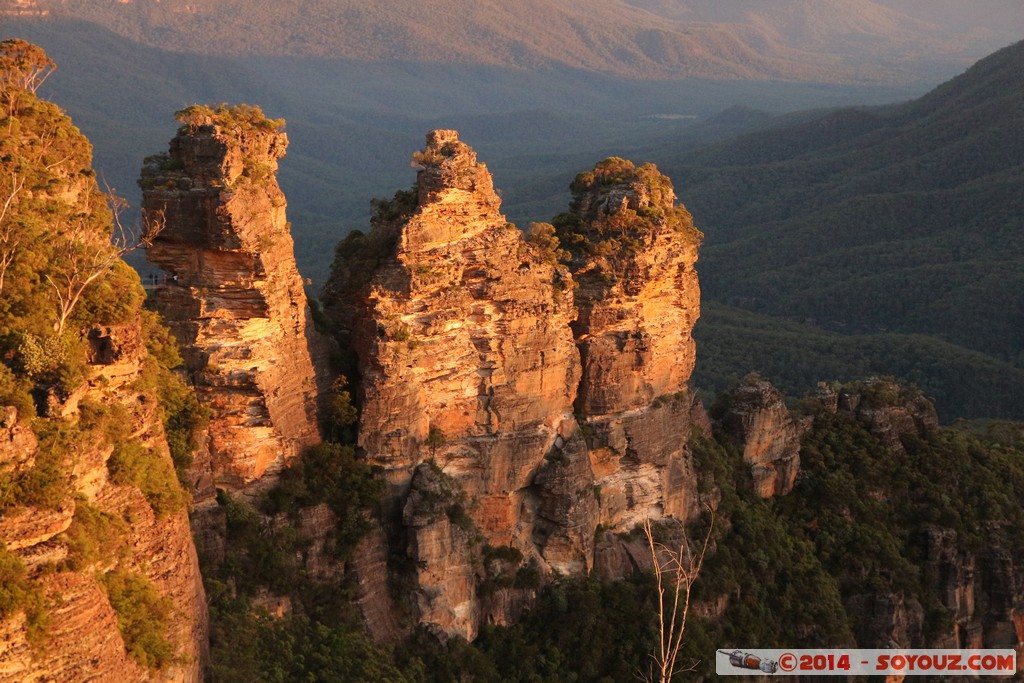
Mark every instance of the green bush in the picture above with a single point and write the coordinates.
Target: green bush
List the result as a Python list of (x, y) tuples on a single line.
[(47, 485), (329, 473), (94, 535), (142, 617), (133, 464), (243, 117)]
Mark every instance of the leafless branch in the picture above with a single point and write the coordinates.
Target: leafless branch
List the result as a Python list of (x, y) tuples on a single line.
[(9, 239), (675, 570)]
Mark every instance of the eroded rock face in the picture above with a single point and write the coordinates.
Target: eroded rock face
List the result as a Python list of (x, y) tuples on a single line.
[(468, 350), (757, 418), (632, 253), (234, 298), (461, 329), (84, 642)]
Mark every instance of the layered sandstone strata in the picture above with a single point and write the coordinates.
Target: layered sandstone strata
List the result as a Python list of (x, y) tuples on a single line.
[(83, 638), (461, 331), (232, 294), (632, 252)]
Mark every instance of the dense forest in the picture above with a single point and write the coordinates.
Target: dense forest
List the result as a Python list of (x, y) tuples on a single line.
[(876, 224), (868, 522)]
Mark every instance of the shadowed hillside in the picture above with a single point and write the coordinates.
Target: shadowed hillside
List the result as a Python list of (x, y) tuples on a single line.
[(903, 219)]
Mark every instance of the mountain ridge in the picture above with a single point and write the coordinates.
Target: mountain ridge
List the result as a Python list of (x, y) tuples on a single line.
[(840, 211), (790, 41)]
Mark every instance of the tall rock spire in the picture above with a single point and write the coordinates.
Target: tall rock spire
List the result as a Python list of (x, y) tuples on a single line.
[(232, 294), (469, 373), (632, 252)]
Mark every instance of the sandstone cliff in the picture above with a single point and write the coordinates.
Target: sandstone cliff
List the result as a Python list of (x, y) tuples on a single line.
[(56, 540), (468, 348), (768, 437), (632, 252), (461, 329), (232, 294), (93, 523)]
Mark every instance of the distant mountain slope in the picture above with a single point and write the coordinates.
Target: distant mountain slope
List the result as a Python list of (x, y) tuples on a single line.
[(826, 40), (907, 219), (795, 357)]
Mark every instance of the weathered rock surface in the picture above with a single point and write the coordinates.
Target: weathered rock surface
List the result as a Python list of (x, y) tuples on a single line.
[(234, 298), (461, 329), (84, 642), (757, 418), (468, 351), (441, 539), (632, 254)]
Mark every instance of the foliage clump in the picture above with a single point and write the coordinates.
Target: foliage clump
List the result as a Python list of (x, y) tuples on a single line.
[(133, 464), (617, 211), (142, 617), (241, 117), (94, 536), (183, 416), (60, 269), (329, 473)]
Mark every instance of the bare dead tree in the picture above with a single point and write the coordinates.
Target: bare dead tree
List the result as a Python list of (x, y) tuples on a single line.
[(676, 570), (81, 256), (9, 237)]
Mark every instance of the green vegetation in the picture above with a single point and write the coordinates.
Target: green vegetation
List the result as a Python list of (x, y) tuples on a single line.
[(788, 571), (544, 237), (881, 222), (239, 118), (16, 590), (580, 630), (329, 473), (94, 536), (47, 484), (59, 270), (611, 231), (796, 357), (133, 464), (142, 616), (183, 416), (61, 274), (250, 645), (322, 637)]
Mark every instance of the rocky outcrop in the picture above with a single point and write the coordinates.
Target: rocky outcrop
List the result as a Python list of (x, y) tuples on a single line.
[(768, 437), (470, 382), (233, 296), (461, 331), (887, 408), (86, 472), (83, 640), (632, 252)]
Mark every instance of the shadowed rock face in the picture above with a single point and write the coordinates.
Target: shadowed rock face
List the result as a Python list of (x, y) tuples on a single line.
[(632, 254), (768, 437), (234, 298)]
